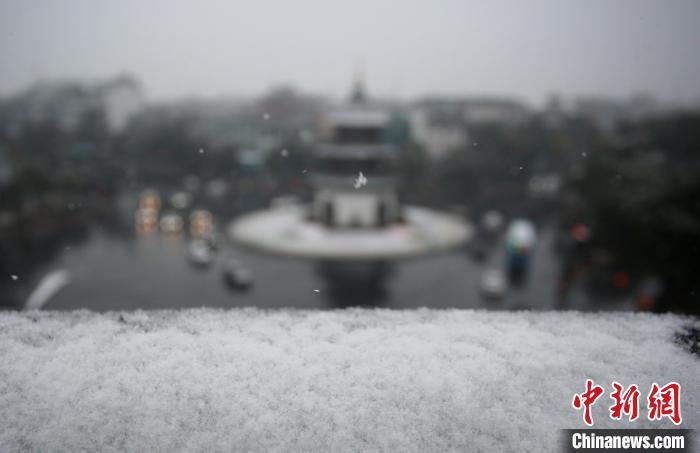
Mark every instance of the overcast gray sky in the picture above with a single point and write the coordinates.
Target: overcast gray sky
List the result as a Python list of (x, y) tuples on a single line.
[(526, 48)]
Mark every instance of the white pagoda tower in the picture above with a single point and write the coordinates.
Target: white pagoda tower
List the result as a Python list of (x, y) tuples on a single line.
[(355, 214), (355, 169)]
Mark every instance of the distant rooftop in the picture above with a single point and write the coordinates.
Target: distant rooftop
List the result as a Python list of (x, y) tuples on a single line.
[(358, 117)]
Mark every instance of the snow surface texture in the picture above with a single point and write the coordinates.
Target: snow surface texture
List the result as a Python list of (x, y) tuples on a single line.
[(354, 380)]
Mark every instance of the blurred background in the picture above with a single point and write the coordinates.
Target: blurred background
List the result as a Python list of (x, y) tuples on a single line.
[(565, 134)]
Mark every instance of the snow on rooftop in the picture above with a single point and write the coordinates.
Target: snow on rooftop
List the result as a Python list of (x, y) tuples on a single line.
[(352, 380)]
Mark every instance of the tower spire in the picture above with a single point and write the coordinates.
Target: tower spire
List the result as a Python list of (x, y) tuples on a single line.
[(358, 95)]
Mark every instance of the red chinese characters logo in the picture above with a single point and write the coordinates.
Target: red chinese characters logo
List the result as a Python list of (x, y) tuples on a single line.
[(665, 402), (662, 401), (587, 399), (626, 402)]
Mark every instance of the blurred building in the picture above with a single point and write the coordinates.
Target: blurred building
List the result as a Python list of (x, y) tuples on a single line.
[(119, 99), (69, 103), (442, 125), (438, 126), (603, 111), (485, 111)]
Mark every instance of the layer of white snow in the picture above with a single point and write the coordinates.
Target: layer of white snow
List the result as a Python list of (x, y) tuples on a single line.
[(354, 380), (285, 230)]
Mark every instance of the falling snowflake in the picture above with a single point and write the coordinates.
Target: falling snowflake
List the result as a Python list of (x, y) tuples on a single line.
[(266, 116), (284, 153), (304, 170), (317, 290), (14, 277), (584, 154), (360, 181), (201, 151)]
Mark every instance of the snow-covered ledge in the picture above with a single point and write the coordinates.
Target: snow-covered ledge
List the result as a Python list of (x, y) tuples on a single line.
[(354, 380)]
